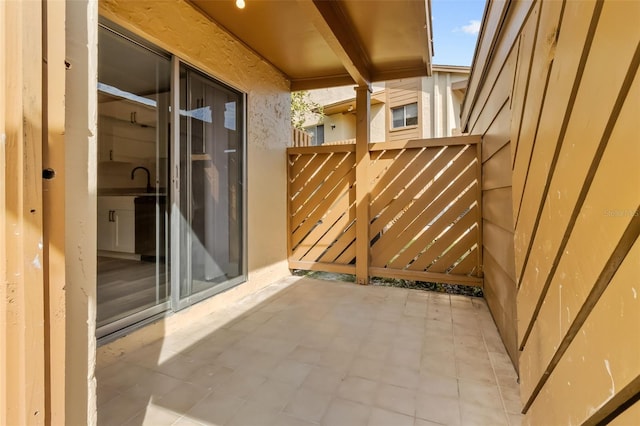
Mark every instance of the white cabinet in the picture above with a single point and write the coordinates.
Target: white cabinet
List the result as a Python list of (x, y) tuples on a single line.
[(120, 140), (116, 224), (129, 111), (126, 131)]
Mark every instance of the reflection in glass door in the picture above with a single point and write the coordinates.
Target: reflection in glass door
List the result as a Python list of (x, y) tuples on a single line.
[(133, 139), (211, 177)]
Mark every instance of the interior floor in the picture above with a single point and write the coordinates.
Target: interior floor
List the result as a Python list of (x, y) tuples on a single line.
[(126, 286)]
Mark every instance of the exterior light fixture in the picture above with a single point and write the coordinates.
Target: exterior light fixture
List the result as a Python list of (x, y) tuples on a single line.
[(240, 4)]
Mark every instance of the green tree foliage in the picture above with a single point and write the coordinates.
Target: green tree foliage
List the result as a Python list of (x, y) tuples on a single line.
[(303, 108)]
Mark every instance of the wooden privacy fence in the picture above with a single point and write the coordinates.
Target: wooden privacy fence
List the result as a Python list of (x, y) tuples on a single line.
[(300, 137), (424, 214)]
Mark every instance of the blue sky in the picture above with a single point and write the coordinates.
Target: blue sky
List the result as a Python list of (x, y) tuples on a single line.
[(455, 30)]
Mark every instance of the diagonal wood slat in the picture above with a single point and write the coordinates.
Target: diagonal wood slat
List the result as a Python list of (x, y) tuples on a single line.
[(401, 201), (444, 241), (466, 265), (455, 252), (424, 211), (344, 171), (329, 227), (324, 208), (423, 237), (311, 179)]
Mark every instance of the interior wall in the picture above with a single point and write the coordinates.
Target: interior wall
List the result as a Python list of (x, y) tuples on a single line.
[(570, 113)]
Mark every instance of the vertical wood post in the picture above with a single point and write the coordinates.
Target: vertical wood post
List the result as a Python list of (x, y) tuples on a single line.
[(53, 200), (479, 272), (363, 114), (22, 331)]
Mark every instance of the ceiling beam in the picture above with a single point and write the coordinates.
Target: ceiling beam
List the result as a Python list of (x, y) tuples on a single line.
[(396, 74), (335, 27), (320, 82)]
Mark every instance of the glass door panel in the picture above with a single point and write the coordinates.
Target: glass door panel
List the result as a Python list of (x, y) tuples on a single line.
[(133, 138), (211, 177)]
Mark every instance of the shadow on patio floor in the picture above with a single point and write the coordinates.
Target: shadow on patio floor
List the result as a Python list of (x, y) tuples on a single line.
[(312, 352)]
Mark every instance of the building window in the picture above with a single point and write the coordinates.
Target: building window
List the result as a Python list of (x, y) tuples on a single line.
[(317, 134), (405, 115)]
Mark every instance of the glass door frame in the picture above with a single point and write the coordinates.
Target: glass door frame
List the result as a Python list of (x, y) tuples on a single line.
[(122, 326), (178, 303)]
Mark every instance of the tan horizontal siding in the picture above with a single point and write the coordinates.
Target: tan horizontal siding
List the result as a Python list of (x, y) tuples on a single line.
[(575, 197), (499, 77), (630, 416), (599, 370), (582, 260), (493, 209), (499, 242), (500, 292), (544, 44), (402, 135), (491, 117), (495, 173), (579, 149)]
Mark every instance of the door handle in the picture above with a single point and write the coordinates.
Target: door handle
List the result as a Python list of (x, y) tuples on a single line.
[(112, 215)]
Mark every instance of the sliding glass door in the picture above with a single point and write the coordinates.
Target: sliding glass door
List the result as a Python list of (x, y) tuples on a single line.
[(171, 157), (134, 83), (211, 201)]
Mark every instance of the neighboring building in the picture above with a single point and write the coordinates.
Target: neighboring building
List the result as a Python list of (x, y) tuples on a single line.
[(411, 108)]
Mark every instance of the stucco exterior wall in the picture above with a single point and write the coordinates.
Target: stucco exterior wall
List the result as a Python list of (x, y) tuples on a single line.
[(184, 31), (441, 104), (378, 123)]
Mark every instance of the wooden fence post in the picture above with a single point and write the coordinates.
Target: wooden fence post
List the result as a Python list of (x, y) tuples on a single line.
[(363, 113)]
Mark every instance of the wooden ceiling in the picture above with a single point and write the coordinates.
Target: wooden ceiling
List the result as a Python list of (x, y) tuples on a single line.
[(324, 43)]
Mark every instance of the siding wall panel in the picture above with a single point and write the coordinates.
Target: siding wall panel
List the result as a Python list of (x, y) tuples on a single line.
[(500, 292), (581, 141), (631, 416), (501, 57), (499, 243), (493, 202), (539, 73), (607, 367), (576, 194), (575, 25), (526, 49), (584, 261), (491, 118), (494, 172), (498, 134)]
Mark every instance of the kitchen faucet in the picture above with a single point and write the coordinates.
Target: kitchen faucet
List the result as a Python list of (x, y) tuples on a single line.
[(133, 172)]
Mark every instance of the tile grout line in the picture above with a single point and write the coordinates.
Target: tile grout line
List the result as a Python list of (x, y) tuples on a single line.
[(495, 376)]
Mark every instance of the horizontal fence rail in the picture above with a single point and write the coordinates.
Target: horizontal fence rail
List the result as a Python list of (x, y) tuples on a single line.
[(424, 209)]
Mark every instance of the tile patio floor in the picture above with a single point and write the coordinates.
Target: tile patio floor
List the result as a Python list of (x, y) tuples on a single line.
[(307, 352)]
